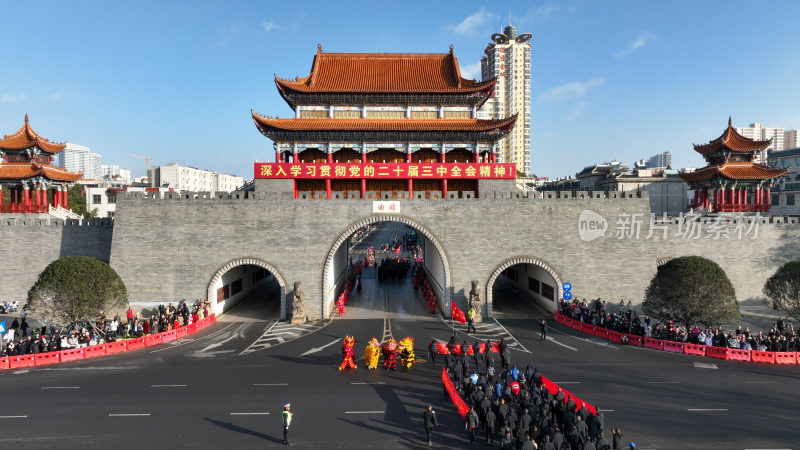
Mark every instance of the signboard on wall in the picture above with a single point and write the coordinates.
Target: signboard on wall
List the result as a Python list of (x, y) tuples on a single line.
[(385, 206), (436, 171)]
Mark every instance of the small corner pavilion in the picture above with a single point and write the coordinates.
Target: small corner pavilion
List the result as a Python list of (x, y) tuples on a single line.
[(732, 181), (26, 171)]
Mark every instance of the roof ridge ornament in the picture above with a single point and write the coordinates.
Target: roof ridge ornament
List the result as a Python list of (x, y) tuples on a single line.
[(730, 121), (26, 117)]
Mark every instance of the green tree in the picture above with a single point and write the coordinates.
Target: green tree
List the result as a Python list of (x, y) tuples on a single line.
[(784, 288), (75, 289), (76, 196), (691, 290)]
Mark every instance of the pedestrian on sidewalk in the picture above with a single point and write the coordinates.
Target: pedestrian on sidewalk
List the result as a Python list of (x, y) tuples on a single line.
[(286, 416), (429, 417), (543, 330)]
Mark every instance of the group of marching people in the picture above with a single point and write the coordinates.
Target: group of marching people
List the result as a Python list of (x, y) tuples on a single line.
[(373, 351), (516, 411)]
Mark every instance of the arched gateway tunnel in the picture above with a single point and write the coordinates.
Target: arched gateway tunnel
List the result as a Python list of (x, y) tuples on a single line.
[(519, 247)]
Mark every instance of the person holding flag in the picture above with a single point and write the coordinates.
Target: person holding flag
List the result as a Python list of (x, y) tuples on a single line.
[(457, 314)]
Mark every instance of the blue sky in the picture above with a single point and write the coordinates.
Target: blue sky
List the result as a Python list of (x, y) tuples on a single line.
[(176, 80)]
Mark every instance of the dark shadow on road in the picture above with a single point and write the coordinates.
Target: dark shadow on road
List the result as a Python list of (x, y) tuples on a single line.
[(232, 427)]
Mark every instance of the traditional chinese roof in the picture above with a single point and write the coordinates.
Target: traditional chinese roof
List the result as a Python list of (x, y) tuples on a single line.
[(264, 123), (733, 141), (735, 171), (26, 138), (385, 73), (24, 171)]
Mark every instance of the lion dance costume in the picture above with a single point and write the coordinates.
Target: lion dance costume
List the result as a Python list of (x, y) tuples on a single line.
[(406, 347), (347, 353), (390, 354), (372, 353)]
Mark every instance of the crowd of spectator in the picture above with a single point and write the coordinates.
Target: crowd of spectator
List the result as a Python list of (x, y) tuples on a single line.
[(780, 338), (22, 339), (7, 307), (513, 409)]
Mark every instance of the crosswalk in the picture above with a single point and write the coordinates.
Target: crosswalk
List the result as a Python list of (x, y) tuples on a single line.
[(280, 332), (491, 329)]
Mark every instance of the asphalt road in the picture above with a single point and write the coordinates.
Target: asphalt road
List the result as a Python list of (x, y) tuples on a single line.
[(204, 391)]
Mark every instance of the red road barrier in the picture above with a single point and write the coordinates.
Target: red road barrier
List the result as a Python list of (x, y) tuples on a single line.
[(181, 332), (71, 354), (787, 357), (734, 354), (717, 352), (635, 340), (601, 332), (615, 336), (153, 339), (41, 359), (94, 350), (657, 344), (694, 349), (115, 347), (168, 336), (762, 357), (22, 361), (191, 328), (674, 347), (133, 344), (462, 407), (4, 363)]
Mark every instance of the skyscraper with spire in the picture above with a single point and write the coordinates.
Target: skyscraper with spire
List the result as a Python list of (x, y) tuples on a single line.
[(508, 58)]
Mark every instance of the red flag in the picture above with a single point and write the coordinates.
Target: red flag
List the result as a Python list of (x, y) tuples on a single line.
[(457, 314), (397, 250)]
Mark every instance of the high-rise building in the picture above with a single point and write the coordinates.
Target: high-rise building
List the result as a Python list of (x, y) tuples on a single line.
[(661, 160), (115, 173), (78, 158), (508, 58), (791, 139), (182, 178), (759, 132)]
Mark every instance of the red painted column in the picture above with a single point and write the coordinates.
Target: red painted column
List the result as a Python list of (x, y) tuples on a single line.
[(705, 199), (1, 195), (410, 182), (278, 156), (295, 157), (328, 180), (294, 188), (27, 195), (66, 199), (696, 198), (476, 157), (364, 180), (758, 197), (444, 180)]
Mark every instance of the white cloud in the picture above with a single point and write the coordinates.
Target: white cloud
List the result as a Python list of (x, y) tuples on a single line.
[(55, 96), (577, 110), (636, 44), (13, 98), (471, 71), (472, 23), (270, 25), (228, 33), (574, 89)]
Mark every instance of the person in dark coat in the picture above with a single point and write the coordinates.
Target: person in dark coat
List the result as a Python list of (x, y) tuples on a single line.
[(432, 351), (521, 434), (616, 439), (547, 444), (502, 412), (528, 444), (491, 424), (602, 443), (472, 423), (507, 443), (429, 418), (558, 438), (582, 429)]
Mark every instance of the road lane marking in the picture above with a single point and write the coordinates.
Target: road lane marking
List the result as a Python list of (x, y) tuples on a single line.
[(700, 365), (319, 349), (362, 382), (663, 382), (20, 372), (249, 414), (270, 384), (761, 382), (170, 347), (61, 387), (364, 412), (166, 385), (129, 415), (706, 409), (563, 345), (567, 382), (606, 410), (13, 417), (512, 336)]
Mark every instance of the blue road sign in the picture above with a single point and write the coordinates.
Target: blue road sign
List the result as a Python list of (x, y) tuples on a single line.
[(2, 327), (567, 295), (567, 286)]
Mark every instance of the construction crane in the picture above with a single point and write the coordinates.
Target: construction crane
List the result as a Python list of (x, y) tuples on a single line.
[(146, 163)]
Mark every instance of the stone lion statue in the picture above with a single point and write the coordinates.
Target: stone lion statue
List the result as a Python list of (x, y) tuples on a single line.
[(475, 301), (298, 304)]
